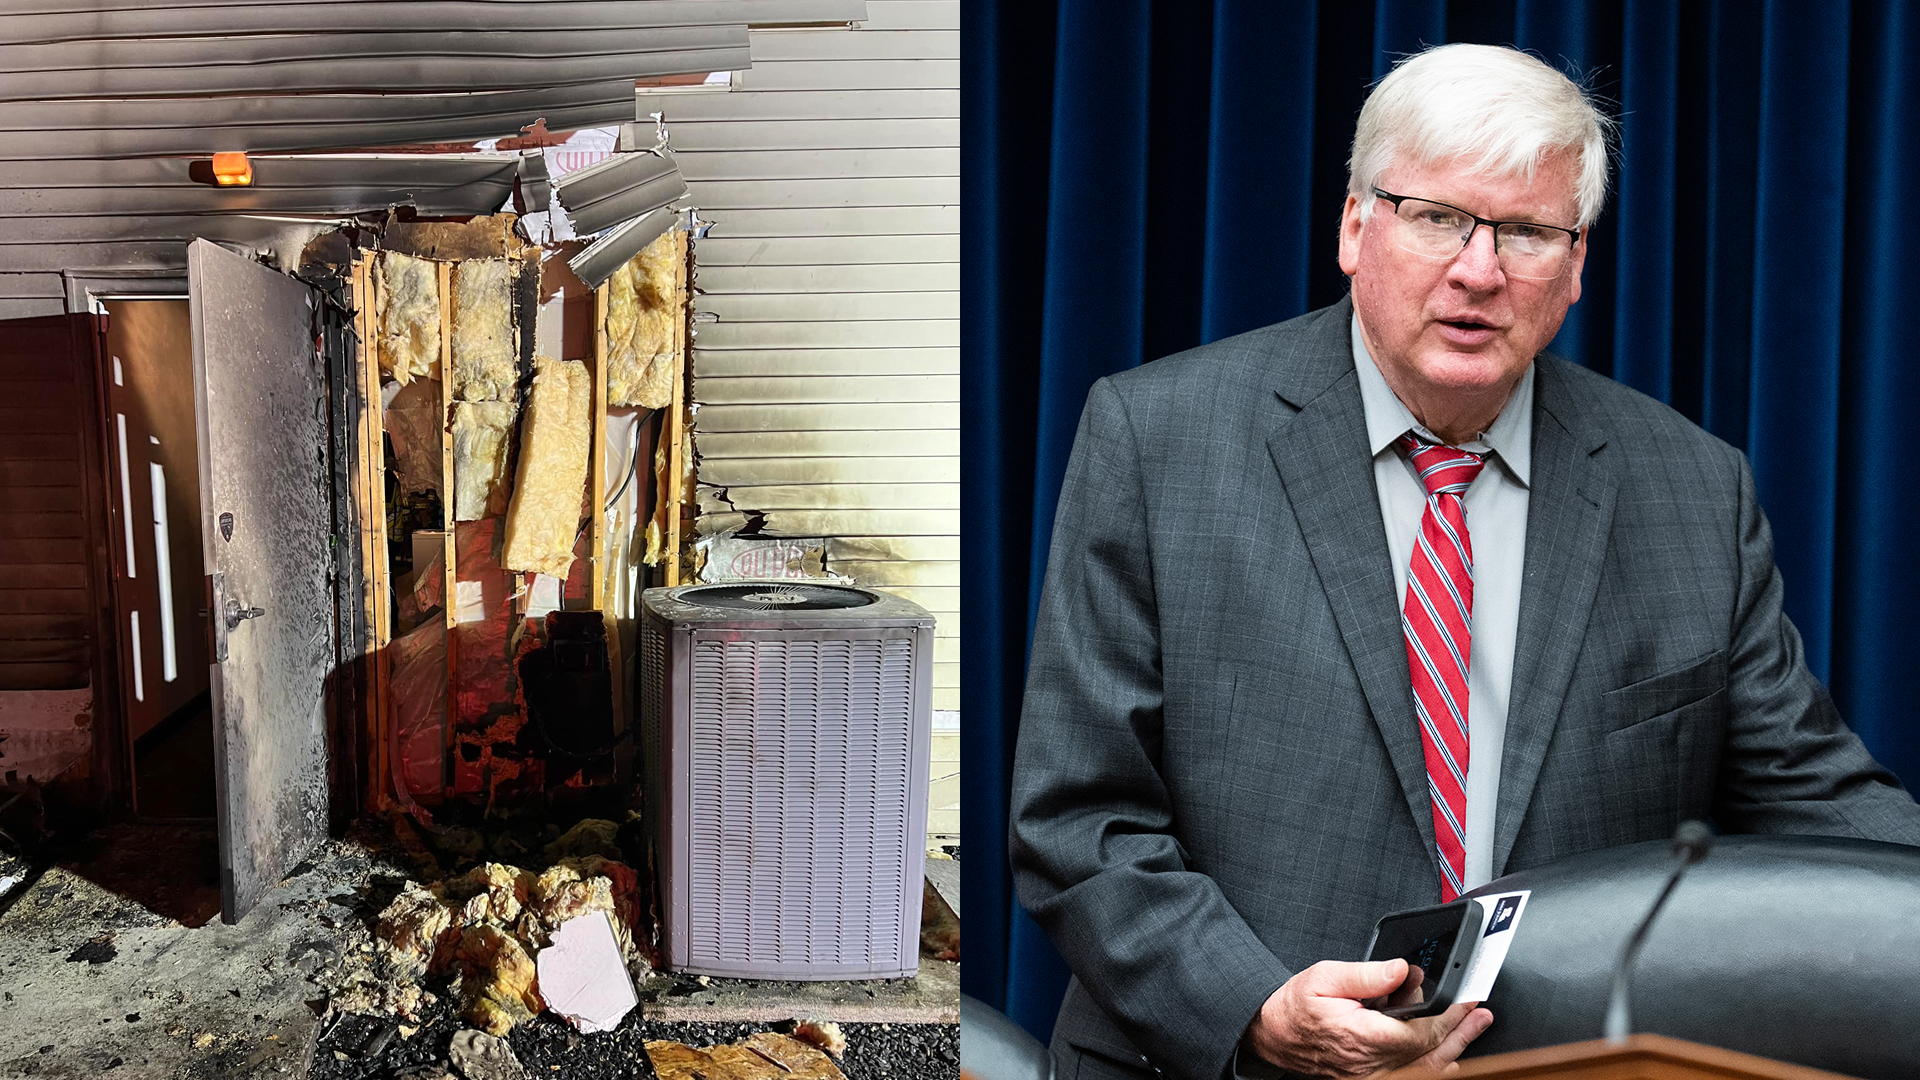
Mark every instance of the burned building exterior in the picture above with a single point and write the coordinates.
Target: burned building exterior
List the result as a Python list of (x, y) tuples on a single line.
[(329, 458)]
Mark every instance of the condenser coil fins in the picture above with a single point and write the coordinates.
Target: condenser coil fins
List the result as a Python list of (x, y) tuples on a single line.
[(407, 300), (483, 338), (545, 515)]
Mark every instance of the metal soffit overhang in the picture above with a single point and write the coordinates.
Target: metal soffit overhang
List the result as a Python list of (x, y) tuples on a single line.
[(105, 105)]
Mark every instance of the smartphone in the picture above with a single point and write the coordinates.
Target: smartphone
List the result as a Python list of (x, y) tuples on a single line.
[(1437, 943)]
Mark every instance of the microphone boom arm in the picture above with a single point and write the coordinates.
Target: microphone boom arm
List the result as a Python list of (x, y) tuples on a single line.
[(1690, 843)]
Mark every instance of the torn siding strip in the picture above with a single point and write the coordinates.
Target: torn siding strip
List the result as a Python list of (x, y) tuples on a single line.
[(600, 259), (536, 183), (624, 186)]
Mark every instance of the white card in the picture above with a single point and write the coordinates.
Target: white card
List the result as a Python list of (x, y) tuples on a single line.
[(1500, 918)]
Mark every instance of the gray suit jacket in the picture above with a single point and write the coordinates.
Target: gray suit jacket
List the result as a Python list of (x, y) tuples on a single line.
[(1219, 778)]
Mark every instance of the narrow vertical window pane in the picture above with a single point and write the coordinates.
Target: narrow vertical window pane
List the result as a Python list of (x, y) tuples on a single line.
[(126, 495), (139, 679), (163, 570)]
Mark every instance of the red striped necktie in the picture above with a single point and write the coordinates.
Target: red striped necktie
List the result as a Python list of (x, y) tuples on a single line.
[(1438, 620)]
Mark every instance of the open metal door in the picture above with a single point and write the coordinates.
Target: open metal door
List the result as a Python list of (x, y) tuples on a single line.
[(260, 399)]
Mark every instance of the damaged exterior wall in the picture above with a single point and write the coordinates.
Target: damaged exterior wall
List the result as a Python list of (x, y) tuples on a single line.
[(828, 390)]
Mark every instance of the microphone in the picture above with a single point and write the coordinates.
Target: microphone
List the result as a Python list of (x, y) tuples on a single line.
[(1690, 843)]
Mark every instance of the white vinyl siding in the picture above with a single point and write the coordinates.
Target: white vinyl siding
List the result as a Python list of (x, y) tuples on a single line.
[(828, 389)]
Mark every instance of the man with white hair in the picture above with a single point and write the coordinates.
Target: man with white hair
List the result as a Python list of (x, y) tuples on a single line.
[(1355, 613)]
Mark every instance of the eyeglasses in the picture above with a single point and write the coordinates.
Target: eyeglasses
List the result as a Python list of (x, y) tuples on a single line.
[(1434, 230)]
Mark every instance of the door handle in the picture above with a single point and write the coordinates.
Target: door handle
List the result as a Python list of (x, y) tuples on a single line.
[(232, 613), (237, 614)]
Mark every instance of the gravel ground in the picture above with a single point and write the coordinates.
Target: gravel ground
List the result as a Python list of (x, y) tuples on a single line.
[(548, 1046)]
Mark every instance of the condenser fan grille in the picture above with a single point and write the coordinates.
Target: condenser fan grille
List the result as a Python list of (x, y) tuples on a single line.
[(780, 596)]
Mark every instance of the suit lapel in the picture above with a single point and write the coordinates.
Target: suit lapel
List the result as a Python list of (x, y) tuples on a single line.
[(1569, 514), (1322, 457)]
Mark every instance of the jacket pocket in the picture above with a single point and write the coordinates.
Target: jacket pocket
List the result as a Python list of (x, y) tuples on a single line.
[(1653, 698)]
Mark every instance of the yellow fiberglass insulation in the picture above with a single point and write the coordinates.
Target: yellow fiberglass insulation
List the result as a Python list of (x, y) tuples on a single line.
[(642, 315), (480, 430), (547, 491), (483, 339), (407, 301)]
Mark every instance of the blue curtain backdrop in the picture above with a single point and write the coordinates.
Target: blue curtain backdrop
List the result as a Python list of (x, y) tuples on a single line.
[(1142, 177)]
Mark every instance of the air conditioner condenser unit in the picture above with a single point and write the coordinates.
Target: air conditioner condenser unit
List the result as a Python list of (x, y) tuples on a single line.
[(784, 732)]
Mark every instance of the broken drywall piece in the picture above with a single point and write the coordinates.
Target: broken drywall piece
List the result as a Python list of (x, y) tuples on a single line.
[(583, 975), (483, 337), (480, 430), (407, 303), (544, 517)]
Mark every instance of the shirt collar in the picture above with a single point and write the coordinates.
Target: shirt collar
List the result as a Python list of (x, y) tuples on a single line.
[(1510, 438)]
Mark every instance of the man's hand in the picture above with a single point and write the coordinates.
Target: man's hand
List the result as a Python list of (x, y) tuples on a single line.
[(1316, 1024)]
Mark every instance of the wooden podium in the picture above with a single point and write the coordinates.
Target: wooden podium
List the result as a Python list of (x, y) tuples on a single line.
[(1641, 1057)]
